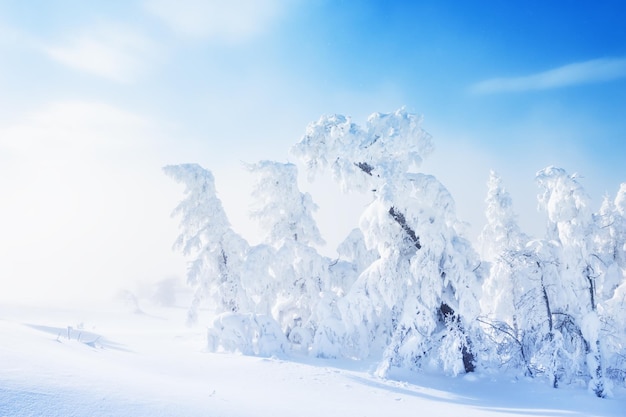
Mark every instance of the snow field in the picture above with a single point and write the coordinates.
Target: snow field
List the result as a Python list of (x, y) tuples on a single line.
[(150, 364)]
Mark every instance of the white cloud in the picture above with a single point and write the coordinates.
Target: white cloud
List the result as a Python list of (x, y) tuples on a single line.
[(231, 21), (108, 51), (593, 71)]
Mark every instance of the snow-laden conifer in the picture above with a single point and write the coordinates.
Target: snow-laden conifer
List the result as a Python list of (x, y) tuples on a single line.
[(611, 256), (206, 235), (417, 302), (576, 303), (360, 158), (354, 258), (612, 241), (501, 233), (286, 216), (500, 239), (504, 303)]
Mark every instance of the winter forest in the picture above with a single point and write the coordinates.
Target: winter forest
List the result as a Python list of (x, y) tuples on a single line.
[(407, 289)]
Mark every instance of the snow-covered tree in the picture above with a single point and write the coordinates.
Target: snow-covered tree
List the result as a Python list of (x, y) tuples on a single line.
[(610, 242), (361, 159), (571, 224), (616, 334), (286, 216), (501, 233), (503, 244), (417, 301), (206, 235), (535, 274), (610, 246), (259, 279), (617, 245), (500, 238), (354, 258), (423, 289), (546, 301)]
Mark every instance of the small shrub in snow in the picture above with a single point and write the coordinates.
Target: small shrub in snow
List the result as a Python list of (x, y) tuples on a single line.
[(248, 333)]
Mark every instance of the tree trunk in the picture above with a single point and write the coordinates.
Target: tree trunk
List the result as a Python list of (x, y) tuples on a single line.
[(469, 359)]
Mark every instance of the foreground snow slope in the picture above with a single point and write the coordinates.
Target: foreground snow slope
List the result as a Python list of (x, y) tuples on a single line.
[(113, 362)]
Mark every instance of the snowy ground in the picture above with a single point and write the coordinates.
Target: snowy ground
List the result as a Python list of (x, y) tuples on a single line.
[(113, 361)]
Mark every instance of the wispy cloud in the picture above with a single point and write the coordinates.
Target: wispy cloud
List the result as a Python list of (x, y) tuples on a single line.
[(109, 51), (230, 21), (593, 71)]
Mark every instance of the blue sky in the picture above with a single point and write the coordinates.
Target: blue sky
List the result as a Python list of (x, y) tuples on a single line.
[(97, 96)]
